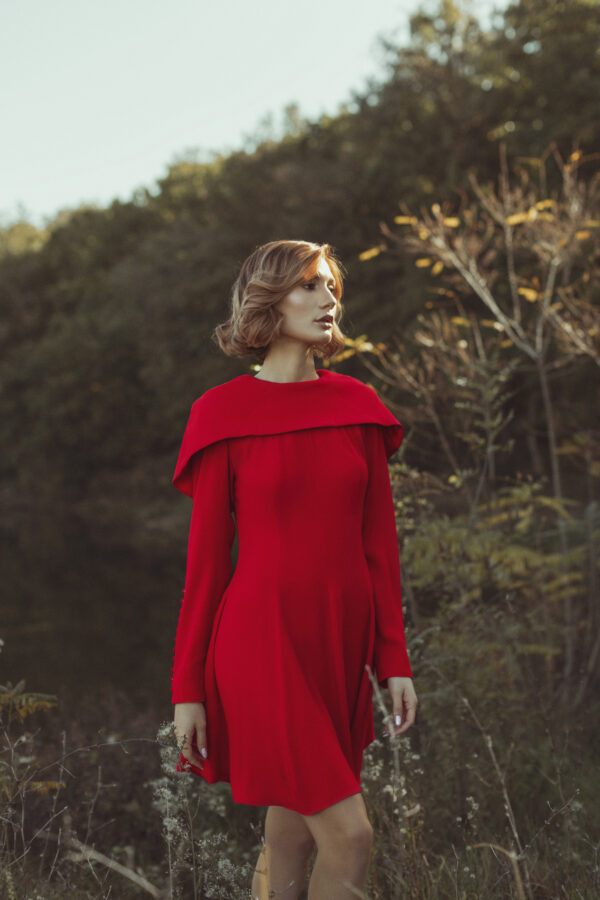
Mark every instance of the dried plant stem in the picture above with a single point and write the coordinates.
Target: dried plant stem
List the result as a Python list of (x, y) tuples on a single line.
[(81, 852), (387, 718), (507, 804), (59, 782), (515, 866)]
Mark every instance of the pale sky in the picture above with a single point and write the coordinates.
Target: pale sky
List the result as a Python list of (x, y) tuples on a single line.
[(98, 98)]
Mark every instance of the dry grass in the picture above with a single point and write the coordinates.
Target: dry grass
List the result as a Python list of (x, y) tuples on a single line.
[(105, 814)]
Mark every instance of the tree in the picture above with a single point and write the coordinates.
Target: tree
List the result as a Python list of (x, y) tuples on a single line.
[(531, 257)]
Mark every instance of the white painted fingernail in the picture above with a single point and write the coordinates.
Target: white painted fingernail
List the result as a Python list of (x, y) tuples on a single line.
[(398, 720), (204, 753)]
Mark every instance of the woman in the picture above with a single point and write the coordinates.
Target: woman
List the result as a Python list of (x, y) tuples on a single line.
[(270, 678)]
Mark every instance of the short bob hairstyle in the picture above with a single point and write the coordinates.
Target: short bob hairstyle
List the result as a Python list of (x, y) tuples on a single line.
[(270, 272)]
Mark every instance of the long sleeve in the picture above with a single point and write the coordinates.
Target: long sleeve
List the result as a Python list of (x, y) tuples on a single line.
[(208, 570), (380, 541)]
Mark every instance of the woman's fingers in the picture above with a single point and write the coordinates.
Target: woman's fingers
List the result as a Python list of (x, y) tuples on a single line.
[(410, 711), (194, 745), (404, 710), (190, 731)]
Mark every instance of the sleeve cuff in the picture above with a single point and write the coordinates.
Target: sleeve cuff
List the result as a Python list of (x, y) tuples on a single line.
[(391, 662), (188, 690)]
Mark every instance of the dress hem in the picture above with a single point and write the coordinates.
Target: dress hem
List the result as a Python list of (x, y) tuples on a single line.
[(211, 779)]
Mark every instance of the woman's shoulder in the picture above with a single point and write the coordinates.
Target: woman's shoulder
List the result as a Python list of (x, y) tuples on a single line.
[(246, 406)]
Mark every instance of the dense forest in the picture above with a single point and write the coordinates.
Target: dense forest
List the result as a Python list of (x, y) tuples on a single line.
[(462, 194)]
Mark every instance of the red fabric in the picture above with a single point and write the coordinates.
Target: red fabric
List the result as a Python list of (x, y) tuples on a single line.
[(277, 651)]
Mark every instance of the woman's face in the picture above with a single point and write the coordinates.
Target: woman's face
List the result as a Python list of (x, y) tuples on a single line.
[(307, 303)]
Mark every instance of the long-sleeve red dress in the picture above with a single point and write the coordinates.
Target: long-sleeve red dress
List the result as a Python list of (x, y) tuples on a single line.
[(277, 649)]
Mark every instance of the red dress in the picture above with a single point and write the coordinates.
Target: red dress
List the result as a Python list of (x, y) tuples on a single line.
[(277, 652)]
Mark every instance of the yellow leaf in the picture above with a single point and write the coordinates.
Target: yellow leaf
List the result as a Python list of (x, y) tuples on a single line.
[(506, 343), (544, 204), (547, 217), (558, 507), (568, 447), (542, 649), (436, 209), (459, 320), (497, 520), (44, 787), (582, 235), (451, 222), (517, 218), (405, 220), (423, 233), (422, 262), (369, 254), (528, 293), (437, 267), (592, 223), (575, 155)]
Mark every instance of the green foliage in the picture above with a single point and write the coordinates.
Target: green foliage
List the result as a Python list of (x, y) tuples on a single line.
[(501, 548)]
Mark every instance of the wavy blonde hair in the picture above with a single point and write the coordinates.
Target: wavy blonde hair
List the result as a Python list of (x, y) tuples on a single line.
[(270, 272)]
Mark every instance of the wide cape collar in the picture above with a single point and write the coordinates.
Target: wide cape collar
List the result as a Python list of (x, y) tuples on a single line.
[(246, 405)]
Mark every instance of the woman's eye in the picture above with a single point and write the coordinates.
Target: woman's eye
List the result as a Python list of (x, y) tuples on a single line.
[(313, 284)]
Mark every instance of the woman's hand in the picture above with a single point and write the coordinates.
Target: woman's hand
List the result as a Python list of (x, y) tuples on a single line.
[(404, 704), (190, 720)]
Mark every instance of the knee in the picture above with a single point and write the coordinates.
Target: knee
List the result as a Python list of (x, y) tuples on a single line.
[(361, 835), (355, 837)]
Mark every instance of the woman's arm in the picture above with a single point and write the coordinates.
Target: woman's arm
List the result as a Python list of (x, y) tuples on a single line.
[(208, 570), (380, 542)]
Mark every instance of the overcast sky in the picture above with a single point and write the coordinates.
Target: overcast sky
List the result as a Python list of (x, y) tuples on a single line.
[(98, 98)]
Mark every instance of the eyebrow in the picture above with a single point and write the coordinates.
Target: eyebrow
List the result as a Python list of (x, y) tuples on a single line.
[(317, 277)]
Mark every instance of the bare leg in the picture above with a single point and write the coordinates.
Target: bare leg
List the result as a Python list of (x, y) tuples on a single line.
[(344, 837), (283, 861)]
